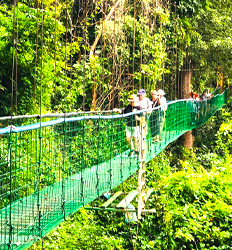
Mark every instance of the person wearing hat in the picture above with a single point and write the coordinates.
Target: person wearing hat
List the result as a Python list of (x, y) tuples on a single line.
[(163, 102), (143, 101), (155, 102), (132, 124)]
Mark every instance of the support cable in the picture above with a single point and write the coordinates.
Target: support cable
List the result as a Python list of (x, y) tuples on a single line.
[(40, 130), (9, 155), (55, 43), (36, 55), (98, 157), (82, 162), (16, 59), (133, 51), (63, 201), (84, 56)]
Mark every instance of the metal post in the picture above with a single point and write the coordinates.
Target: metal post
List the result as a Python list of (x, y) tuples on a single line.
[(142, 167)]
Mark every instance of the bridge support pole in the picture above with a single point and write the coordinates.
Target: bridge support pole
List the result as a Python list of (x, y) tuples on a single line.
[(142, 167)]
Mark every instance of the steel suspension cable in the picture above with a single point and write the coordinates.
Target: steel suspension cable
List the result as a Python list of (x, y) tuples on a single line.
[(84, 54), (16, 59), (176, 54), (40, 130), (36, 54), (9, 154), (55, 44), (133, 51), (113, 64), (64, 123), (71, 51), (173, 55), (103, 44)]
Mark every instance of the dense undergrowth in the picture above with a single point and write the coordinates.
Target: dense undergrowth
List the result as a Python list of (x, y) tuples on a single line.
[(192, 197)]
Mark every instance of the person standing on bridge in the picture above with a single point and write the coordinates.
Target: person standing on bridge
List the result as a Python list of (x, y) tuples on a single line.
[(155, 102), (143, 101), (162, 110), (204, 99), (194, 97), (132, 124), (205, 104)]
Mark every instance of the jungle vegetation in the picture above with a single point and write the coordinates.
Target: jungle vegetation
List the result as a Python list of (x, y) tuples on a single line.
[(62, 56), (81, 55)]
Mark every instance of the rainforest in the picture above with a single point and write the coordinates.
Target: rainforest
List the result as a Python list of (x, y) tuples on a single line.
[(66, 67)]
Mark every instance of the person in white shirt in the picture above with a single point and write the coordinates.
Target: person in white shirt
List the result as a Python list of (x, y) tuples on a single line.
[(143, 101), (163, 102)]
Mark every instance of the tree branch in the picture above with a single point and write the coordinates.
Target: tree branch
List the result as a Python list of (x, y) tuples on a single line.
[(93, 47)]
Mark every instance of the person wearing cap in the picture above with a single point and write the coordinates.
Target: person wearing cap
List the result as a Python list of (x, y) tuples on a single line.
[(155, 102), (162, 110), (143, 101), (132, 124)]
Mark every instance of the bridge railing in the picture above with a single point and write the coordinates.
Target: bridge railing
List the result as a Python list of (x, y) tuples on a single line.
[(50, 166)]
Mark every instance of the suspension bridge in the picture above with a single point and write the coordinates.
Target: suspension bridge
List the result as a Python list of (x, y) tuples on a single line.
[(52, 165)]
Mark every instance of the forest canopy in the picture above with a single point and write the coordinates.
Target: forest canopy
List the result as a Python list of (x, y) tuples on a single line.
[(81, 55)]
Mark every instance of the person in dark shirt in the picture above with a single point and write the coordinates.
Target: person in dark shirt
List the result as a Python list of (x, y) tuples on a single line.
[(154, 118), (132, 124)]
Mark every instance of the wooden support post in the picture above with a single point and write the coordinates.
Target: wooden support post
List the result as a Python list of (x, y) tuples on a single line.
[(115, 196), (151, 211), (142, 167), (126, 201)]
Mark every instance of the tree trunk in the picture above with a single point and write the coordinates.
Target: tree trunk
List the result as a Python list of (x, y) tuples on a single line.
[(184, 88), (94, 98), (93, 47), (184, 77)]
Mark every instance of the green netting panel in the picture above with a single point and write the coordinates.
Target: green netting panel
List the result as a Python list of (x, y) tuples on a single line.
[(50, 169)]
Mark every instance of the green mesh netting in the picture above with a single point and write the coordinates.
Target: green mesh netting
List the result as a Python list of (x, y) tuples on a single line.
[(50, 169)]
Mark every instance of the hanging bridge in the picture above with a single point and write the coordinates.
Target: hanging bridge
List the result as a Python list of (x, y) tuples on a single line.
[(52, 165)]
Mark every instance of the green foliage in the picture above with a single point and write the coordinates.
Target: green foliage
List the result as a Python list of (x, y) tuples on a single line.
[(35, 60), (81, 231), (193, 211), (196, 207), (142, 46), (192, 197), (188, 8), (210, 47)]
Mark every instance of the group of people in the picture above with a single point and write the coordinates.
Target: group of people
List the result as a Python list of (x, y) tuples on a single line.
[(204, 96), (156, 116), (141, 102), (199, 108)]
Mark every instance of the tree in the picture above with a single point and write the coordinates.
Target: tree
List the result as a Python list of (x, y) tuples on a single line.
[(31, 59)]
